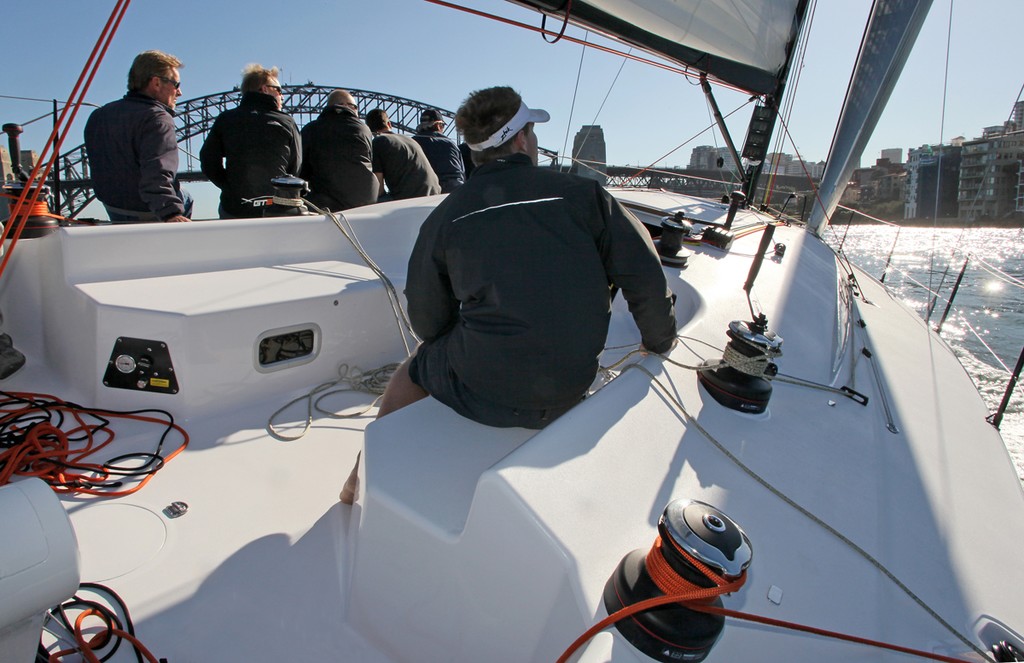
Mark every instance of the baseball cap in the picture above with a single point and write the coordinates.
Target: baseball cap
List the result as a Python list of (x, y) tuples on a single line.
[(431, 115)]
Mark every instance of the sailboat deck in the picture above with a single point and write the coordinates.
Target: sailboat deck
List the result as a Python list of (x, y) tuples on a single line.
[(517, 531)]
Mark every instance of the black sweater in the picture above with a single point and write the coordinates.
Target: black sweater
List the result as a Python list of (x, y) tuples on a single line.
[(246, 148), (518, 266)]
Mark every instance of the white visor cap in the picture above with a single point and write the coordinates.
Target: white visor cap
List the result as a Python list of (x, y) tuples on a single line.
[(522, 117)]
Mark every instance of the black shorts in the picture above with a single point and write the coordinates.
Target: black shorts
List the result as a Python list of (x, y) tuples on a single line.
[(430, 369)]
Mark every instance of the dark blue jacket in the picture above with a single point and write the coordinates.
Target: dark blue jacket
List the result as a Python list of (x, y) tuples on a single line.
[(133, 156), (444, 157)]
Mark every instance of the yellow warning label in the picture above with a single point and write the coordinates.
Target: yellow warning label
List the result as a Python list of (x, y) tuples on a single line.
[(159, 382)]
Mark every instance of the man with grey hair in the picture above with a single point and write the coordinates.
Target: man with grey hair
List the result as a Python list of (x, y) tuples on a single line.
[(133, 147), (250, 145), (337, 156)]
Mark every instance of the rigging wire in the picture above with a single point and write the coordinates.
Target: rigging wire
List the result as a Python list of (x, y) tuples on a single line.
[(938, 167), (650, 168), (572, 107), (682, 70), (789, 102)]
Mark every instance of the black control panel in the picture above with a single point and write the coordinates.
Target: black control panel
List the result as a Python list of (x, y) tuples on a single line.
[(141, 365)]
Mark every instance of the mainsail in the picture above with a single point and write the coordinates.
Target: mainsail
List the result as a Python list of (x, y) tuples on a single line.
[(742, 43)]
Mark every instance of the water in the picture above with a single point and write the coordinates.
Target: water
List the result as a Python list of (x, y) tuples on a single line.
[(985, 325)]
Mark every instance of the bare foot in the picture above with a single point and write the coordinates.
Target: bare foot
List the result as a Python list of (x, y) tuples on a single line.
[(348, 493)]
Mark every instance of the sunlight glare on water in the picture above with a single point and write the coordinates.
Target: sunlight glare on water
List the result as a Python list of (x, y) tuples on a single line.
[(985, 325)]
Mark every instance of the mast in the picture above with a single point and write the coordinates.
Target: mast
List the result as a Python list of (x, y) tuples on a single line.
[(766, 112), (891, 31)]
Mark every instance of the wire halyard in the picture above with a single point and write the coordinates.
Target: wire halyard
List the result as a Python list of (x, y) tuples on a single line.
[(350, 379)]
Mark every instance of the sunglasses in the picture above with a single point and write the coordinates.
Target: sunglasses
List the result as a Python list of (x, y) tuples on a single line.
[(176, 84)]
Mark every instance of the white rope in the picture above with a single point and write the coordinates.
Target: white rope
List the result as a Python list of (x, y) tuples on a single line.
[(352, 379)]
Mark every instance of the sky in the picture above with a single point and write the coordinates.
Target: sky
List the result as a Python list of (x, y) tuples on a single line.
[(421, 51)]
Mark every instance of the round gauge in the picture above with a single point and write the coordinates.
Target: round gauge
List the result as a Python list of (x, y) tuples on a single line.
[(125, 363)]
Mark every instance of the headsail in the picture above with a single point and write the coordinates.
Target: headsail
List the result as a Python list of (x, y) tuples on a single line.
[(891, 31)]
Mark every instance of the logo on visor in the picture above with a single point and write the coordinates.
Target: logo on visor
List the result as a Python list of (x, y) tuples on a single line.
[(504, 133)]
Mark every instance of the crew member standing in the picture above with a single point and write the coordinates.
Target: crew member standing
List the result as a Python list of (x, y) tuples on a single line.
[(250, 145), (133, 148), (337, 156)]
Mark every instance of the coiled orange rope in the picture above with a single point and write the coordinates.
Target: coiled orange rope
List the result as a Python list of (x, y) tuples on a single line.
[(86, 646), (37, 208), (672, 584), (37, 440)]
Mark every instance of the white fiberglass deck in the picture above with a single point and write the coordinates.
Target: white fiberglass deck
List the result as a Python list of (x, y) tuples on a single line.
[(469, 543)]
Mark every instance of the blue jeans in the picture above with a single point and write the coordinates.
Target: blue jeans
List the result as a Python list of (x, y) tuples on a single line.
[(147, 217)]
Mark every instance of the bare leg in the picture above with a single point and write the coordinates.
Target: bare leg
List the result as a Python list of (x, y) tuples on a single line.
[(401, 391)]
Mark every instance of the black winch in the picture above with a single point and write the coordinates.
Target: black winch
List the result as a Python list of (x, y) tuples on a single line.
[(40, 221), (674, 229), (692, 535), (742, 382), (741, 379), (287, 199)]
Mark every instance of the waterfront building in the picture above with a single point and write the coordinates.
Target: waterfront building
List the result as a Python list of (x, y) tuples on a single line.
[(589, 153), (990, 175), (893, 154), (706, 157), (932, 182)]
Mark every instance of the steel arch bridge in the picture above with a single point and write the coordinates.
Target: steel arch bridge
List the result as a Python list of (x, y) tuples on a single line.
[(194, 118)]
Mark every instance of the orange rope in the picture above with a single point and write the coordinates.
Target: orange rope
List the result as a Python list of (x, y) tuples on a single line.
[(670, 582), (677, 589), (38, 208), (680, 591), (58, 455), (30, 194), (100, 639)]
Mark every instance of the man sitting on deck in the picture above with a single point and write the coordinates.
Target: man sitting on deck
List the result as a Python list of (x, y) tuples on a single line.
[(511, 280)]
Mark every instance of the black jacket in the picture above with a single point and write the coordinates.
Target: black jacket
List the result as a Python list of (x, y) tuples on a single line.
[(517, 268), (133, 156), (246, 148), (337, 160)]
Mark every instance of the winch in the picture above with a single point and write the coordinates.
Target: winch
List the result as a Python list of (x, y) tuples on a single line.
[(700, 552), (39, 220), (742, 383)]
